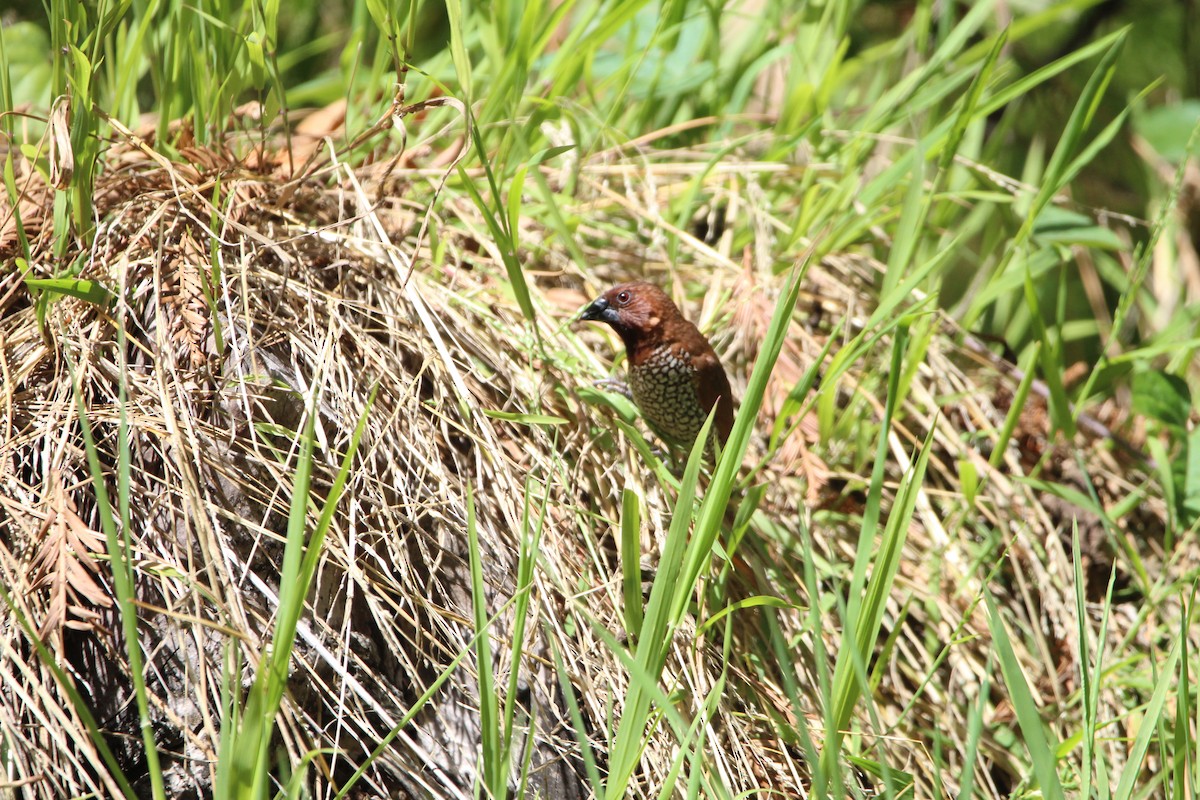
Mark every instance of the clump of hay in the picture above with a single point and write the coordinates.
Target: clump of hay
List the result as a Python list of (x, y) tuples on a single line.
[(239, 301)]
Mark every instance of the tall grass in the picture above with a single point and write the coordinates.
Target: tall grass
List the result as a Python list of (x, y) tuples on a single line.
[(894, 142)]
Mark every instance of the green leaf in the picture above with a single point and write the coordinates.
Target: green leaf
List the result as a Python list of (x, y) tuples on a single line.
[(1040, 744), (1052, 364), (458, 48), (670, 589), (968, 479), (524, 419), (515, 188), (618, 402), (380, 13), (1059, 226), (91, 291), (1029, 372), (757, 601), (1153, 712), (494, 773), (631, 560), (1163, 397), (1168, 128), (258, 58), (899, 780), (1078, 123), (1189, 497), (543, 156)]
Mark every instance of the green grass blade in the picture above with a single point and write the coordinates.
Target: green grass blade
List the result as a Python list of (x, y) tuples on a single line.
[(1150, 719), (527, 556), (864, 613), (1039, 743), (658, 625), (631, 562), (120, 549), (494, 772)]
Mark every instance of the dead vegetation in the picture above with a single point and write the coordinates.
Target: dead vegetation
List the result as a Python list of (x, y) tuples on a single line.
[(239, 294)]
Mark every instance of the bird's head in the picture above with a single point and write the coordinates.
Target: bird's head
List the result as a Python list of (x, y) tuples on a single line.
[(636, 311)]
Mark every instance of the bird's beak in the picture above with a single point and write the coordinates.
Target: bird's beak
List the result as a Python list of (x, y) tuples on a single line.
[(599, 311)]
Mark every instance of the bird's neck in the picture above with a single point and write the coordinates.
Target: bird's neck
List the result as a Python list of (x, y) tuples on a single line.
[(642, 346)]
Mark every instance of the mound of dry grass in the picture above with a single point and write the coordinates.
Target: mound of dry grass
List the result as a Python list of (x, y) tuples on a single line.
[(239, 299)]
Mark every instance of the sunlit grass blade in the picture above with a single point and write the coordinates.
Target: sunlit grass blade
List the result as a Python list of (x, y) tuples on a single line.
[(1092, 675), (720, 488), (1057, 169), (120, 549), (868, 598), (1184, 744), (631, 567), (248, 769), (1039, 743), (527, 556), (494, 774), (1051, 362), (1020, 397), (974, 734), (417, 706), (1147, 731), (658, 624), (587, 754)]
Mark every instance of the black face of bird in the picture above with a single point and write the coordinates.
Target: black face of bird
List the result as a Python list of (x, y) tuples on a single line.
[(600, 311)]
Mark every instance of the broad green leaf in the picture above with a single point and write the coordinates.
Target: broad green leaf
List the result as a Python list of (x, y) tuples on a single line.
[(92, 291), (1162, 397)]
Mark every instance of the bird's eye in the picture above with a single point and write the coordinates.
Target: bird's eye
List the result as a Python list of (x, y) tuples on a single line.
[(623, 298)]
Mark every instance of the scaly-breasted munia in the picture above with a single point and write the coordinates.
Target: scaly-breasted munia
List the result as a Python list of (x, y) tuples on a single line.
[(675, 377)]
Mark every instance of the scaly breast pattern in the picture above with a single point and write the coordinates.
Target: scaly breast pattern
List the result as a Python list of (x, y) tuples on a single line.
[(664, 388)]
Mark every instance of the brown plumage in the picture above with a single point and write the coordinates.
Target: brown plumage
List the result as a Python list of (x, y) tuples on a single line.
[(675, 377)]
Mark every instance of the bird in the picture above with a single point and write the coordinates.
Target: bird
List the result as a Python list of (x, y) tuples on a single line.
[(675, 377)]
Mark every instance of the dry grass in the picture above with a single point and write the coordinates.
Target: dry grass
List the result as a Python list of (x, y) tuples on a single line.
[(326, 285)]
